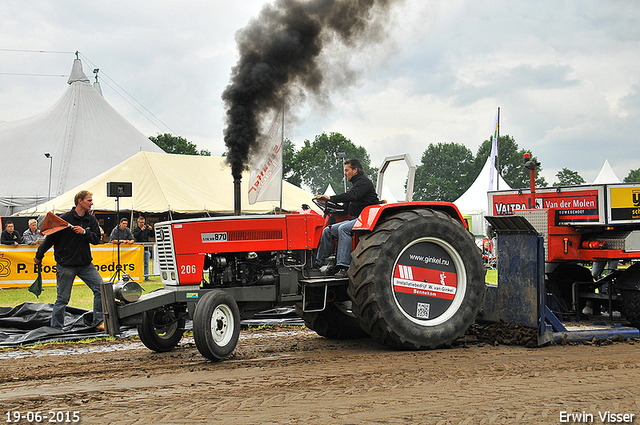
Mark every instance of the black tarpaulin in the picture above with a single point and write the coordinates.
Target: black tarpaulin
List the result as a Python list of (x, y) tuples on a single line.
[(28, 324)]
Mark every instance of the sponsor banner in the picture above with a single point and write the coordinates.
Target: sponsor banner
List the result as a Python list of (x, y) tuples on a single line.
[(425, 282), (17, 268), (625, 203), (571, 206)]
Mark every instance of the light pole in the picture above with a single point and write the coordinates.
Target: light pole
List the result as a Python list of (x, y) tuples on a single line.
[(48, 155), (343, 156)]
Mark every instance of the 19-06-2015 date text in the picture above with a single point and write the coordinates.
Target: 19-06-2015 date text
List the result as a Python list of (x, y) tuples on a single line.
[(51, 416)]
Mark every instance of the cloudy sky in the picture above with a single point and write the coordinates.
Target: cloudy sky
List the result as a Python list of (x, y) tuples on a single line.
[(564, 73)]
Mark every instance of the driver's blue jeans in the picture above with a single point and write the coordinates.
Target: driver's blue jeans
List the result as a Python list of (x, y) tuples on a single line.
[(342, 231), (65, 277)]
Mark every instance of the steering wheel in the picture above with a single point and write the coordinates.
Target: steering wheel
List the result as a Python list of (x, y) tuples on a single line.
[(329, 207)]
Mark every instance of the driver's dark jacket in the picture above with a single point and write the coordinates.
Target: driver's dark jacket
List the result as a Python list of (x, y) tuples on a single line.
[(361, 195)]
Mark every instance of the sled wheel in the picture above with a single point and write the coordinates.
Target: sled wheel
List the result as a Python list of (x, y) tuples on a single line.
[(161, 328), (336, 321), (631, 297), (216, 325), (417, 280)]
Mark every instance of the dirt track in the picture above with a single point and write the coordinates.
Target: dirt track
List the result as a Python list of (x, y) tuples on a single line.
[(299, 378)]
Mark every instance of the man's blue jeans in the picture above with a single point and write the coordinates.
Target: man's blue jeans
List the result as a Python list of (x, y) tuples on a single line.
[(65, 276), (343, 232)]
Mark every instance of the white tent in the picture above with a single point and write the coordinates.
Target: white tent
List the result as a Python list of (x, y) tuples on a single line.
[(606, 174), (178, 183), (329, 191), (475, 201), (83, 135)]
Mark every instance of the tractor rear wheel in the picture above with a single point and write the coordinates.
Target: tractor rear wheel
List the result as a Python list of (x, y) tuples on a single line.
[(417, 280), (336, 321), (161, 328), (216, 325), (631, 297)]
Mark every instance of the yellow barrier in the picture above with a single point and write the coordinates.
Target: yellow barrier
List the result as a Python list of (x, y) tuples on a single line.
[(17, 268)]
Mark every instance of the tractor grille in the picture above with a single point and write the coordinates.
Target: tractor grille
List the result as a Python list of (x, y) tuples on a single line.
[(166, 257)]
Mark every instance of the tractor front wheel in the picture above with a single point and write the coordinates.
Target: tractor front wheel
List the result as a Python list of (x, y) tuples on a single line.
[(417, 280), (216, 325)]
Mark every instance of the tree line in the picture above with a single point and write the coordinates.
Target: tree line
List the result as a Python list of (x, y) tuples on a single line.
[(445, 172)]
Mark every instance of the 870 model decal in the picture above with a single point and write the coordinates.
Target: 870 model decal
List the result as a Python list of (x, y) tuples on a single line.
[(214, 237)]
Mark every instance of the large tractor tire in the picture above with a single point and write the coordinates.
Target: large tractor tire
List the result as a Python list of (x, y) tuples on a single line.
[(629, 279), (417, 280), (161, 328), (336, 321), (216, 325)]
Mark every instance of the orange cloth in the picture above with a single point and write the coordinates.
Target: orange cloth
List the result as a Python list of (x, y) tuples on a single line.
[(52, 224)]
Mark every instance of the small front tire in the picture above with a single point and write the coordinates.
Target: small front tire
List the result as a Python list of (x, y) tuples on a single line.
[(216, 325)]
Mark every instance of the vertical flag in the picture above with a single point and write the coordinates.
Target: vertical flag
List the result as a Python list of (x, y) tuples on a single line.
[(265, 179), (493, 172)]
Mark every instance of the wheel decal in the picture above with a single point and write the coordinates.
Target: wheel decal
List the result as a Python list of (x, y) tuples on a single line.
[(426, 281)]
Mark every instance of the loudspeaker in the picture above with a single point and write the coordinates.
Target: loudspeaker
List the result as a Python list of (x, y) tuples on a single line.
[(119, 189)]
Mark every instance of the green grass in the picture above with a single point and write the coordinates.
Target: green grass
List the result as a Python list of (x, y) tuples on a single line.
[(81, 296), (491, 277)]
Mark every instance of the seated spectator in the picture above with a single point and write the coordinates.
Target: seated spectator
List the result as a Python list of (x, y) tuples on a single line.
[(10, 236), (122, 234), (31, 236)]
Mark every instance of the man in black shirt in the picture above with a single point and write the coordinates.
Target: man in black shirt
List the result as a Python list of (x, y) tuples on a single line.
[(10, 236), (141, 234), (73, 257), (361, 195)]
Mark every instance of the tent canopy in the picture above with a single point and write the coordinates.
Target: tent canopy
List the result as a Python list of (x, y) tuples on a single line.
[(83, 135), (475, 199), (164, 182), (606, 174)]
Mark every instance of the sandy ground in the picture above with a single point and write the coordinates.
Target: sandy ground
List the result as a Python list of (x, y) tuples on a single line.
[(295, 377)]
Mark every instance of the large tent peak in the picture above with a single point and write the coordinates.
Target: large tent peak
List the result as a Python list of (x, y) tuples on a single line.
[(77, 74)]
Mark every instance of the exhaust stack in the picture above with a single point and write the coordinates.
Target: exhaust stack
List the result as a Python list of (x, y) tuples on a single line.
[(237, 202)]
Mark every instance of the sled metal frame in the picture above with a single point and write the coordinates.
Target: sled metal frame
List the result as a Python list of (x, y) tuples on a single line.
[(520, 296)]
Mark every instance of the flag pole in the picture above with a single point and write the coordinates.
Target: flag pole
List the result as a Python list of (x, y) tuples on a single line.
[(498, 153)]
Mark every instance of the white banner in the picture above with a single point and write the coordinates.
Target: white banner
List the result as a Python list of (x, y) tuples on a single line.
[(265, 180)]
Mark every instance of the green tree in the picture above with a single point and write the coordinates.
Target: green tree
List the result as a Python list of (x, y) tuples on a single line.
[(176, 144), (289, 167), (317, 163), (566, 177), (446, 172), (510, 162), (633, 176)]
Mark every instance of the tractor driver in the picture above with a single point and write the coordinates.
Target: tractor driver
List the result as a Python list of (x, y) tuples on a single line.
[(361, 195)]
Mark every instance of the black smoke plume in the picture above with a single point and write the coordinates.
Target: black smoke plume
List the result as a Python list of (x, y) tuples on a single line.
[(279, 55)]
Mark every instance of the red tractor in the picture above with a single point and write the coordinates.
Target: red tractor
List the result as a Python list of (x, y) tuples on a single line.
[(416, 279)]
